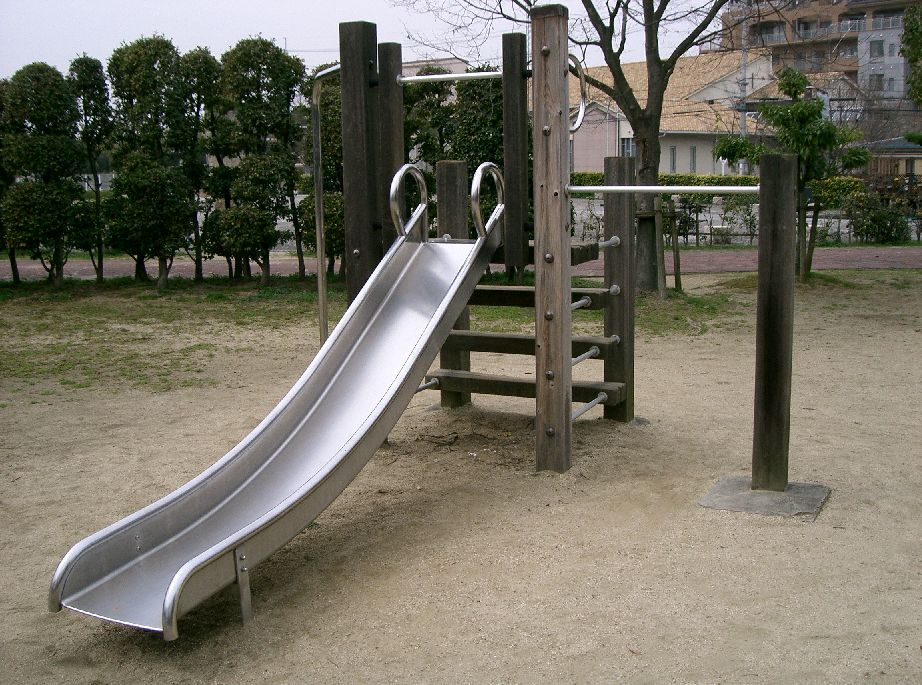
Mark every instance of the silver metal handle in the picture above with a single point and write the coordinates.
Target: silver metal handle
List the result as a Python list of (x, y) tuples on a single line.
[(487, 168), (583, 92), (396, 215)]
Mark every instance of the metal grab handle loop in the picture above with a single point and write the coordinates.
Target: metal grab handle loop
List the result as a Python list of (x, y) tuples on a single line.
[(396, 215), (583, 92), (493, 170)]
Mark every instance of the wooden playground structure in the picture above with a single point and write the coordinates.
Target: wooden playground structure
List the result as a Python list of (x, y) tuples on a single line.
[(373, 142)]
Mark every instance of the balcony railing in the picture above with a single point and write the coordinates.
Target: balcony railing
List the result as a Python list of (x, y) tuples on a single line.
[(814, 34), (769, 38), (852, 25), (882, 23)]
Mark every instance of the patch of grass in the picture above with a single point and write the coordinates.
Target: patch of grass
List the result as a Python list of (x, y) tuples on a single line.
[(682, 314)]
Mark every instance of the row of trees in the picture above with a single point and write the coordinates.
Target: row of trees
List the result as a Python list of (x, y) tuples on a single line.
[(187, 135), (192, 136)]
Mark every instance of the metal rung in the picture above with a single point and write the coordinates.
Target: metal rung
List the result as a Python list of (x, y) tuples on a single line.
[(602, 397), (580, 303), (667, 190), (436, 78), (434, 383), (593, 351), (614, 241)]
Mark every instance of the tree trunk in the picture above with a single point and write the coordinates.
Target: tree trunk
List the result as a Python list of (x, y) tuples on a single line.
[(197, 238), (247, 268), (801, 236), (811, 243), (331, 265), (264, 268), (97, 199), (57, 264), (140, 271), (648, 148), (238, 267), (230, 267), (163, 271), (14, 267), (296, 222)]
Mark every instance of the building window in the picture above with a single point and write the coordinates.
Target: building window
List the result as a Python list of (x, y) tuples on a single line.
[(877, 48), (693, 159), (891, 84), (672, 159), (876, 82), (628, 149), (910, 167), (891, 50)]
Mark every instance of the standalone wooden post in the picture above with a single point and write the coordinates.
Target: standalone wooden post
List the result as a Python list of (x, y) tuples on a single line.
[(774, 322), (362, 217), (552, 238), (619, 271), (451, 185), (515, 155), (390, 135)]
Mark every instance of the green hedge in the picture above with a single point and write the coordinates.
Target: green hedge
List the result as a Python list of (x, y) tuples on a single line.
[(595, 178)]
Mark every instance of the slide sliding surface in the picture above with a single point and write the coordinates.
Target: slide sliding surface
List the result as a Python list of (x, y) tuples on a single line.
[(150, 568)]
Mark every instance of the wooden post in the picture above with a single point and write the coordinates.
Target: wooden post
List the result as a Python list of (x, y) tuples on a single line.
[(774, 322), (552, 238), (660, 248), (515, 155), (390, 134), (619, 270), (362, 218), (451, 186)]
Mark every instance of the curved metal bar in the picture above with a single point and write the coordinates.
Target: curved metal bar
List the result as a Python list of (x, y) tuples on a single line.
[(583, 92), (614, 241), (493, 170), (318, 200), (402, 225)]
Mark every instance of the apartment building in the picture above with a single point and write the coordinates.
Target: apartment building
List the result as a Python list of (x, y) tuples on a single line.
[(859, 38)]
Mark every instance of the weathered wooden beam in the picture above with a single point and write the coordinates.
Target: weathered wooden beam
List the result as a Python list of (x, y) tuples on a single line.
[(619, 270), (362, 217), (390, 132), (580, 253), (451, 186), (515, 154), (508, 386), (774, 322), (524, 296), (552, 237), (517, 343)]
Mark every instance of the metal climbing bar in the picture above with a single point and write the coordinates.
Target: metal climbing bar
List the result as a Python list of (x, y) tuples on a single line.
[(614, 241), (437, 78), (666, 190), (591, 353), (431, 385), (583, 92), (580, 303), (601, 397)]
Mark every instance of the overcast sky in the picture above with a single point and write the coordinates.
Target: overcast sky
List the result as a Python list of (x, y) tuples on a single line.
[(57, 31)]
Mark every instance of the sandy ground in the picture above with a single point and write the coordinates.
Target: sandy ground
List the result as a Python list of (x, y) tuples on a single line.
[(450, 560)]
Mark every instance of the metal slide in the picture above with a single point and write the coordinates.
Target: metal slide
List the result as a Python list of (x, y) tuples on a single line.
[(152, 567)]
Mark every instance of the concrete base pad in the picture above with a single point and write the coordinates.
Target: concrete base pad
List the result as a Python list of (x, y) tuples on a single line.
[(734, 493)]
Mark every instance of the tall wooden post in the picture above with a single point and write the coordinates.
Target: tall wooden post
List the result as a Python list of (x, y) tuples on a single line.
[(390, 135), (451, 186), (362, 217), (552, 238), (515, 155), (774, 321), (619, 271)]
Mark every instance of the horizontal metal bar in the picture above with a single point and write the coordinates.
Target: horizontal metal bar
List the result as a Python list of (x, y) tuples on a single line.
[(435, 78), (614, 241), (602, 397), (434, 383), (580, 303), (667, 190), (588, 354)]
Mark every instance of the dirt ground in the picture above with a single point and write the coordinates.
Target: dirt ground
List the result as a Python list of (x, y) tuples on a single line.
[(450, 560)]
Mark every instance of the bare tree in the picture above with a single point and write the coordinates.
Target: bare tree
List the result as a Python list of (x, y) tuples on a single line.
[(607, 27)]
